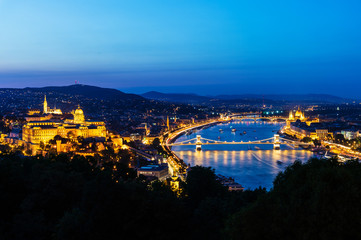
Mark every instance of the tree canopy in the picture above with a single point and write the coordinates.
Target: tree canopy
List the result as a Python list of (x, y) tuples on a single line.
[(63, 197), (316, 200)]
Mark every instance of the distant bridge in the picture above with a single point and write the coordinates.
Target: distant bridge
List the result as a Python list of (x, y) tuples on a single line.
[(276, 141), (255, 117)]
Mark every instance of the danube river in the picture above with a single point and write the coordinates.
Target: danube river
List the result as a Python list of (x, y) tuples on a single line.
[(250, 165)]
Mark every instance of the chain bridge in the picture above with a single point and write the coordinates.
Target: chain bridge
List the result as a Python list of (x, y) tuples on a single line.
[(276, 141), (255, 117)]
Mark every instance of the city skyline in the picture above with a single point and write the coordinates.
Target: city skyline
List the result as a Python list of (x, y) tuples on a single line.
[(183, 119), (205, 47)]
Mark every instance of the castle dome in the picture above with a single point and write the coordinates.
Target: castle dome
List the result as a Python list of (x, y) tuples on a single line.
[(79, 111), (298, 113), (78, 116)]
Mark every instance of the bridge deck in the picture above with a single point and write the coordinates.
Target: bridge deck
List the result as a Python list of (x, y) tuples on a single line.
[(219, 143)]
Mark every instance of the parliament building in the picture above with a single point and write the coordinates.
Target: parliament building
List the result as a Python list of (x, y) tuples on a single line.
[(45, 128)]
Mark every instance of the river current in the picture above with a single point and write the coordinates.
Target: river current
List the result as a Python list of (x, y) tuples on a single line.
[(250, 165)]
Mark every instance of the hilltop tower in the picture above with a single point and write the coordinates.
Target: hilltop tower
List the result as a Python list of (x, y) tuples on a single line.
[(45, 104)]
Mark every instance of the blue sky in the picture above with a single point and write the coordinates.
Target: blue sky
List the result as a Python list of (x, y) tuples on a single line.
[(205, 47)]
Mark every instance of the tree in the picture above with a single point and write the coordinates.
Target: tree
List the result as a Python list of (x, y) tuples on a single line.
[(317, 142), (156, 143), (307, 201), (70, 135), (42, 145), (202, 183), (306, 139), (339, 138), (80, 139)]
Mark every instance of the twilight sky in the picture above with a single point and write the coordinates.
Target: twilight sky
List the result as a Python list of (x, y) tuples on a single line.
[(200, 46)]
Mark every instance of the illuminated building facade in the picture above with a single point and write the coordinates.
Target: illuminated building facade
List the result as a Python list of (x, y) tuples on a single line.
[(33, 112), (47, 109), (35, 132), (299, 124), (300, 116), (154, 171)]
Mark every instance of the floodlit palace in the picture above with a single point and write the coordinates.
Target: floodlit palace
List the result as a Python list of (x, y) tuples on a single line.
[(45, 127)]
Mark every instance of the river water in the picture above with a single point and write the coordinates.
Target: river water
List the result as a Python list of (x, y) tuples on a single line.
[(250, 165)]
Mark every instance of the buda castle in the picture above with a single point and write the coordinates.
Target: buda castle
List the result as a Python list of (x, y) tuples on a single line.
[(46, 127)]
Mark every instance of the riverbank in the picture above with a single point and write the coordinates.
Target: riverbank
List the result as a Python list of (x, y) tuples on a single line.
[(327, 149), (178, 133), (250, 166), (176, 165)]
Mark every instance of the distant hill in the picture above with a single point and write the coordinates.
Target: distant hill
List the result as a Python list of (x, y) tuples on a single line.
[(88, 91), (322, 98), (177, 97), (92, 99), (245, 98)]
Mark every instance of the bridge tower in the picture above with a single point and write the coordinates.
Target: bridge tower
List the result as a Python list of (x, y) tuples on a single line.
[(276, 142), (198, 143)]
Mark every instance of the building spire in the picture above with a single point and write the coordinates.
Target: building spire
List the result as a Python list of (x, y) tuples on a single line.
[(45, 110), (290, 115), (168, 126)]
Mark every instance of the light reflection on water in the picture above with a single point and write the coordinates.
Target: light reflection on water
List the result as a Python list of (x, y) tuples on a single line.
[(251, 168)]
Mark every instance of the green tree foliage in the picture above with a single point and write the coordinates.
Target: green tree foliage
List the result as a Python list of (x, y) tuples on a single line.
[(317, 142), (4, 128), (202, 183), (73, 197), (306, 139), (42, 145), (316, 200), (156, 143), (211, 203), (339, 138)]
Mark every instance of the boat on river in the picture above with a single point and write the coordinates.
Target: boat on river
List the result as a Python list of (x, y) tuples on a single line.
[(244, 132), (242, 161), (234, 130)]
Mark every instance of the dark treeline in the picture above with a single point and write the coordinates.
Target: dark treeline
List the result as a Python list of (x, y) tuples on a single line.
[(62, 197)]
